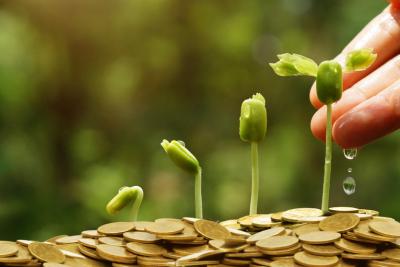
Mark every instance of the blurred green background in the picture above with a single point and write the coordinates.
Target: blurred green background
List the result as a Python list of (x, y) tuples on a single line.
[(88, 89)]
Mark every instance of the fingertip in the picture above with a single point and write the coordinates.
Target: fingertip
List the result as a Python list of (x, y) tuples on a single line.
[(314, 98), (317, 125)]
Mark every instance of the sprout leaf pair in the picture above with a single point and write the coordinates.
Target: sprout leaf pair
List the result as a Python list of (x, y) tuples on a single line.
[(329, 81)]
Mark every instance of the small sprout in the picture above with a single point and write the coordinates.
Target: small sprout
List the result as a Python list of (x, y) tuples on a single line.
[(294, 65), (252, 129), (181, 156), (125, 196), (329, 90), (360, 59), (329, 82), (185, 160)]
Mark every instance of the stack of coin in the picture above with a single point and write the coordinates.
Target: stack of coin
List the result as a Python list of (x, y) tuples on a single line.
[(299, 237)]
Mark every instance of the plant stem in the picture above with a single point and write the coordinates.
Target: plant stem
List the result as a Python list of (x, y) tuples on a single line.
[(136, 203), (197, 195), (254, 178), (328, 160)]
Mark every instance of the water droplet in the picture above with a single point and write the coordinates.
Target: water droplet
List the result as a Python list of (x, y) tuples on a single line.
[(181, 142), (349, 170), (350, 153), (349, 185)]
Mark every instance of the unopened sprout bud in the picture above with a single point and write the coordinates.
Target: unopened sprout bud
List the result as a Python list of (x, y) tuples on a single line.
[(329, 82), (181, 156), (185, 160), (252, 129), (253, 119), (125, 196), (361, 59)]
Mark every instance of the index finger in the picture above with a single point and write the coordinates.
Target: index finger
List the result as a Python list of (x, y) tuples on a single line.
[(382, 35)]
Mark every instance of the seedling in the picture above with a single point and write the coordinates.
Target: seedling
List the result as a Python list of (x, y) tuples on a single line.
[(185, 160), (125, 196), (329, 81), (253, 127)]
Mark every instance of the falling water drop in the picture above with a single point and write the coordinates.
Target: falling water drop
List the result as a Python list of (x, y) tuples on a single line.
[(349, 170), (349, 185), (350, 153)]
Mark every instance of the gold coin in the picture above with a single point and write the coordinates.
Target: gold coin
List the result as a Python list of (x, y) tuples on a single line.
[(91, 234), (222, 245), (343, 209), (165, 227), (89, 252), (319, 237), (8, 249), (282, 263), (263, 221), (115, 254), (389, 228), (265, 234), (211, 230), (353, 247), (23, 256), (46, 252), (146, 249), (52, 264), (198, 256), (68, 239), (392, 254), (142, 237), (112, 240), (277, 242), (303, 215), (340, 222), (116, 228), (372, 212), (306, 228), (141, 225), (306, 259), (238, 232), (363, 231), (283, 252), (322, 250), (88, 242), (372, 256), (277, 216)]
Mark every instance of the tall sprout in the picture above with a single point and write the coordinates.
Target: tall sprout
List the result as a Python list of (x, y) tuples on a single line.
[(329, 80), (252, 129)]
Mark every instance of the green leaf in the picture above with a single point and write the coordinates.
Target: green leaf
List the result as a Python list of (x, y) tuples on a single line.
[(253, 119), (361, 59), (294, 65)]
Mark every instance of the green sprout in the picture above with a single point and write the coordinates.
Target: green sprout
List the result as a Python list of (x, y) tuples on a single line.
[(252, 129), (185, 160), (329, 81), (124, 196)]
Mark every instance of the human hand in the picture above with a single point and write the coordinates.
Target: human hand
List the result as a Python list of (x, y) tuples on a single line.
[(370, 106)]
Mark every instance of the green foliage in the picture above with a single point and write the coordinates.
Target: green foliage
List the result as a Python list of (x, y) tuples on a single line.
[(361, 59), (294, 65)]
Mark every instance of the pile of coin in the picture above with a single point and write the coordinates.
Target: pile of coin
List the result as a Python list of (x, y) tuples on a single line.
[(299, 237)]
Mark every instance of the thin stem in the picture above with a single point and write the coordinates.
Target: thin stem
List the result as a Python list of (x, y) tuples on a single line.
[(254, 178), (136, 203), (328, 160), (197, 195)]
